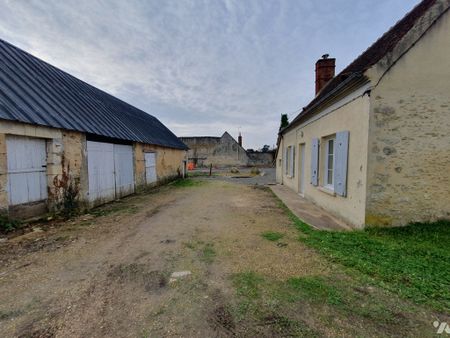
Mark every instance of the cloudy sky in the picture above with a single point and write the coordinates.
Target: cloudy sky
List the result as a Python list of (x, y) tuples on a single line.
[(201, 67)]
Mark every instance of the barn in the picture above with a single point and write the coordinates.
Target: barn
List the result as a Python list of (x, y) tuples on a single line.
[(61, 138)]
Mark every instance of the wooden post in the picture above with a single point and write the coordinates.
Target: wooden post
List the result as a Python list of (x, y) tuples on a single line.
[(210, 169)]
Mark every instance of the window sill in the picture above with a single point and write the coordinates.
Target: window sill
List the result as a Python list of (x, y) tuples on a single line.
[(327, 191)]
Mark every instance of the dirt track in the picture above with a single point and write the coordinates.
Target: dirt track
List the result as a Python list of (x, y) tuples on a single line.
[(108, 275)]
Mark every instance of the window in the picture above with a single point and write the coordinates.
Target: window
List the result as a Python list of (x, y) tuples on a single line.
[(329, 164), (290, 161)]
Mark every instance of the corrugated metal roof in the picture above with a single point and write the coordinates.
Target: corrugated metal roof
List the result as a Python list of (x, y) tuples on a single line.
[(33, 91)]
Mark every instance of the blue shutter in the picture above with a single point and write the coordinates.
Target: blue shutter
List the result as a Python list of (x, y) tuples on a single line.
[(291, 160), (315, 162), (341, 160), (286, 163)]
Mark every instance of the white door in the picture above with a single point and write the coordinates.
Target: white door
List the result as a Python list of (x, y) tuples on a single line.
[(301, 169), (124, 173), (150, 167), (27, 169), (110, 170), (101, 171)]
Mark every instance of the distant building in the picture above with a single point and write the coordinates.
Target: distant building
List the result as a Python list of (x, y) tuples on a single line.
[(223, 151), (373, 146)]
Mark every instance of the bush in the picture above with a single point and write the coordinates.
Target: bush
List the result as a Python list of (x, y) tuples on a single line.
[(7, 224)]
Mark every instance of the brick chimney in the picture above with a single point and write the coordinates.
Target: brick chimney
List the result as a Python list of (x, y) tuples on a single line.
[(240, 139), (324, 71)]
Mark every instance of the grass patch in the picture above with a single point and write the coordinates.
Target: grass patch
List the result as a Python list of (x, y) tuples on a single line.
[(4, 315), (272, 235), (185, 183), (208, 253), (114, 207), (411, 261)]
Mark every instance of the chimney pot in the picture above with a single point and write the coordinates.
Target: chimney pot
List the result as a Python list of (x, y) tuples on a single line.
[(325, 68), (240, 139)]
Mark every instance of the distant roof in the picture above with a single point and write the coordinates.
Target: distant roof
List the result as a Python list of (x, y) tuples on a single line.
[(371, 56), (33, 91)]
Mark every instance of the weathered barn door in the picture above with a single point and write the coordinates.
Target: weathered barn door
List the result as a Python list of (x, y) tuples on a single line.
[(27, 169), (124, 173), (150, 167), (110, 169), (101, 171)]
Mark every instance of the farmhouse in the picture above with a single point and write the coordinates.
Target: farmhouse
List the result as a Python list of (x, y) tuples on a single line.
[(61, 138), (223, 151), (373, 146)]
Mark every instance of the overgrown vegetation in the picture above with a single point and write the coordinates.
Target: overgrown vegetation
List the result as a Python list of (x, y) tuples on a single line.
[(272, 235), (7, 224), (412, 261), (66, 189)]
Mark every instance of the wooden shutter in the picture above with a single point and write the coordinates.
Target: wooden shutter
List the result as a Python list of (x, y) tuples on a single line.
[(315, 162), (341, 160), (291, 161), (286, 163)]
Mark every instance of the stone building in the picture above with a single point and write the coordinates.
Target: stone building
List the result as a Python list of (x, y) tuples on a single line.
[(223, 151), (62, 139), (373, 146)]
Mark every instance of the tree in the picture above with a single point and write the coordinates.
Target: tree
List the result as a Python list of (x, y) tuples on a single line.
[(284, 121)]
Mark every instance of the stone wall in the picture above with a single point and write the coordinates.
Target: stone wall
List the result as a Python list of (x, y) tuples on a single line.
[(409, 140), (66, 157), (260, 159), (169, 162), (218, 151)]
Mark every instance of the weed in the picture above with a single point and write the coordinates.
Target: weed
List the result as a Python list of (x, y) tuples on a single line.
[(66, 192), (185, 183), (248, 284), (4, 315), (315, 289), (208, 253), (272, 235), (7, 224)]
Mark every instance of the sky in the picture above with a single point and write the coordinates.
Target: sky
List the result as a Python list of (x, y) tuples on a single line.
[(201, 67)]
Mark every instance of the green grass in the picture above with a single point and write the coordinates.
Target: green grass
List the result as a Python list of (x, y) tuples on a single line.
[(272, 235), (185, 183), (411, 261), (208, 253), (330, 298)]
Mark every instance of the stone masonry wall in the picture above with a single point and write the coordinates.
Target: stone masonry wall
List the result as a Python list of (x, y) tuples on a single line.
[(169, 162), (409, 140)]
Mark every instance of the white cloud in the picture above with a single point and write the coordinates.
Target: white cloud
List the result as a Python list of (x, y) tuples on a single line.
[(202, 67)]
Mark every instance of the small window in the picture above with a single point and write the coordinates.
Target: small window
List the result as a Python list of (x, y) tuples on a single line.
[(329, 164), (290, 161)]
